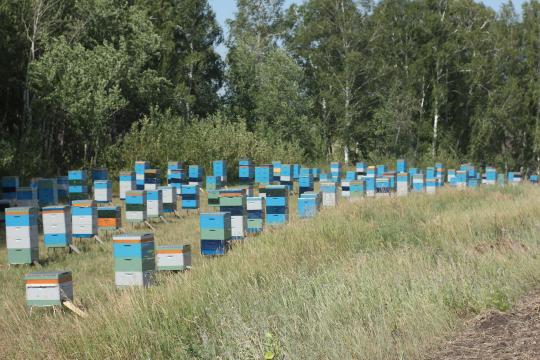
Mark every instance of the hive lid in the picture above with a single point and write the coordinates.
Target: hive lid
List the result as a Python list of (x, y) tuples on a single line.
[(49, 275), (20, 210), (83, 203), (133, 237)]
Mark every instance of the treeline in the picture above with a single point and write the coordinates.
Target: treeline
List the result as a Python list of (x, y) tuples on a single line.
[(103, 82)]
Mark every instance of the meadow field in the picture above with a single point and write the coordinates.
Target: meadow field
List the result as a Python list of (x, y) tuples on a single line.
[(373, 279)]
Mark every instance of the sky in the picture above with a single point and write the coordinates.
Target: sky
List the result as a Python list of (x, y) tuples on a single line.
[(225, 9)]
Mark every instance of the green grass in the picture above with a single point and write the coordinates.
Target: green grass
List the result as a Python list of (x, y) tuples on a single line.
[(375, 279)]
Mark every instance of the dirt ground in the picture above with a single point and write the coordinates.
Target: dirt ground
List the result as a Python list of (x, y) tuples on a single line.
[(496, 335)]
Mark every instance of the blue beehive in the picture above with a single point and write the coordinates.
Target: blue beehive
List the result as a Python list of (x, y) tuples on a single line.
[(490, 177), (361, 169), (382, 186), (173, 165), (103, 191), (533, 179), (381, 169), (276, 170), (134, 260), (335, 170), (430, 173), (370, 186), (169, 197), (136, 206), (219, 168), (9, 187), (140, 168), (431, 185), (418, 183), (152, 179), (305, 183), (350, 175), (190, 197), (286, 177), (47, 192), (176, 179), (195, 175), (451, 174), (27, 196), (324, 177), (126, 182), (100, 174), (391, 175), (357, 188), (22, 235), (309, 204), (371, 171), (57, 226), (402, 185), (215, 229), (304, 171), (514, 178), (213, 182), (154, 203), (62, 184), (439, 174), (316, 172), (401, 166), (246, 171), (234, 202), (264, 174), (255, 207), (78, 185), (296, 171), (329, 191), (84, 218), (277, 204)]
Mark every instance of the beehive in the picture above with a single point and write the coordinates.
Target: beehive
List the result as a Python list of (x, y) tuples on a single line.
[(264, 174), (380, 170), (50, 288), (234, 202), (100, 174), (346, 190), (402, 184), (277, 205), (215, 230), (126, 183), (109, 218), (276, 170), (255, 206), (47, 192), (102, 191), (418, 183), (175, 179), (152, 179), (78, 186), (309, 204), (401, 166), (190, 197), (140, 168), (213, 182), (62, 184), (173, 257), (360, 169), (490, 176), (219, 169), (136, 206), (370, 185), (195, 175), (431, 186), (169, 197), (382, 186), (246, 171), (306, 183), (134, 259), (286, 176), (154, 203), (357, 189), (27, 196), (57, 227), (296, 172), (9, 187), (22, 235), (84, 219), (329, 190)]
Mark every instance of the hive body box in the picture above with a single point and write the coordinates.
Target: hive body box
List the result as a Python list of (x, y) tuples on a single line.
[(47, 192), (140, 168), (401, 166), (213, 182), (173, 257), (264, 174), (213, 198), (431, 186), (219, 169), (190, 197), (62, 183), (27, 197), (329, 191), (84, 219), (234, 202), (357, 189), (514, 178), (277, 205), (109, 218), (490, 177), (402, 184), (335, 171), (134, 260), (154, 203), (309, 204), (78, 187), (100, 174), (450, 176), (49, 288), (22, 235), (103, 191), (175, 179), (418, 183), (9, 187), (346, 189), (276, 170), (255, 206), (195, 175), (370, 185), (136, 206), (286, 176), (126, 183), (169, 197), (57, 228), (533, 179), (360, 170), (152, 179), (306, 183), (382, 187), (246, 171), (215, 229)]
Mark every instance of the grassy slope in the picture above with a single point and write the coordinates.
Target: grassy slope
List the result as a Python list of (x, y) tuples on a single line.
[(375, 279)]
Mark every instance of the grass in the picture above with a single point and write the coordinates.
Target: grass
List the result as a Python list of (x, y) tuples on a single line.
[(375, 279)]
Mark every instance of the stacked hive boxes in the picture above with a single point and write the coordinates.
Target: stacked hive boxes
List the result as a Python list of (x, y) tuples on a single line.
[(350, 175), (360, 170), (175, 176), (136, 206), (27, 196), (47, 192), (431, 186), (401, 166), (382, 186), (49, 288), (370, 185), (380, 170), (126, 183), (173, 257), (154, 203), (140, 168), (213, 198), (169, 197), (357, 189), (418, 183), (78, 188), (152, 179), (412, 172), (490, 177), (264, 174), (306, 183), (213, 182), (195, 175), (173, 165), (9, 187), (134, 260), (460, 180), (215, 231), (439, 174), (255, 214), (335, 171), (450, 176), (346, 189), (277, 204), (402, 184), (286, 176), (296, 172), (190, 197), (234, 202), (62, 184), (533, 179), (219, 169), (329, 193), (430, 174), (103, 191), (316, 172), (100, 174), (109, 218), (309, 204), (246, 171), (84, 219), (276, 170), (391, 176), (57, 226), (22, 235), (371, 171)]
